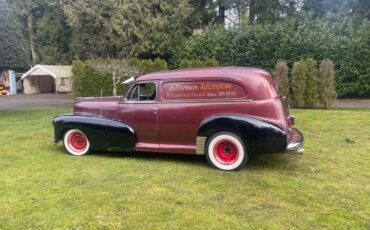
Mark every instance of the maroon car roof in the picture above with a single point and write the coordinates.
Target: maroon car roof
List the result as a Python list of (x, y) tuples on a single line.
[(240, 73)]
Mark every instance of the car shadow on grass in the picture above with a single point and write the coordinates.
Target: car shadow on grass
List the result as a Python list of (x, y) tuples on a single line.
[(257, 162), (150, 156), (273, 161)]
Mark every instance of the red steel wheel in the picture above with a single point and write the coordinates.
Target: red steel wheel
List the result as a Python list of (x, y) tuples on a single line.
[(76, 142), (226, 151)]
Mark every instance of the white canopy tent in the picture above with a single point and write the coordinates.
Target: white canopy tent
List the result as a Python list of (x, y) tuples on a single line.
[(48, 79)]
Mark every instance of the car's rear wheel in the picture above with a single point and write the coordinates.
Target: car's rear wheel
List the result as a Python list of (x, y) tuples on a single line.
[(76, 142), (226, 151)]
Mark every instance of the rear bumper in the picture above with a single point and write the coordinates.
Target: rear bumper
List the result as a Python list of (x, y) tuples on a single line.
[(295, 143)]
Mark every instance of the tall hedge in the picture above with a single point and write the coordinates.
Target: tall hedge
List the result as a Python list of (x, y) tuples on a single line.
[(87, 81), (281, 77), (326, 83), (311, 76), (299, 83), (340, 39)]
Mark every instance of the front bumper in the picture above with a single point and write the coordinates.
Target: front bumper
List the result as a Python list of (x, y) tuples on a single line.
[(295, 143)]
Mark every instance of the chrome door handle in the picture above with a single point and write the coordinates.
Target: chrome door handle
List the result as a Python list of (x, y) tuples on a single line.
[(154, 109)]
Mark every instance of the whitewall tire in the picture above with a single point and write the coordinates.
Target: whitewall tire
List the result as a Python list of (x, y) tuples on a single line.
[(76, 142), (226, 151)]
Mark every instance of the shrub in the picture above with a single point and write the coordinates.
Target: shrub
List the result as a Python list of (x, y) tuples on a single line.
[(185, 63), (281, 77), (326, 83), (88, 82), (299, 83), (95, 77), (311, 96), (134, 62), (159, 64), (196, 63), (147, 65), (210, 62)]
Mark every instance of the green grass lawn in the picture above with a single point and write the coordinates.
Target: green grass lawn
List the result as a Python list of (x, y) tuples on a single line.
[(42, 187)]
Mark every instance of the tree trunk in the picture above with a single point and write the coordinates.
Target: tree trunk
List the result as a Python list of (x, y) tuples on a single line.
[(30, 31), (221, 14), (251, 11), (242, 11), (114, 82)]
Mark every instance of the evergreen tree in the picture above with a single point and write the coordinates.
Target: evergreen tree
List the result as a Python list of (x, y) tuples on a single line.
[(12, 50), (299, 83), (281, 77), (203, 12), (361, 9), (53, 36), (92, 29), (29, 11), (326, 83), (321, 7), (311, 92), (149, 29), (264, 10)]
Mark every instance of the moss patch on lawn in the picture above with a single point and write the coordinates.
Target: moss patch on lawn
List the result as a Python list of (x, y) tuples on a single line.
[(43, 187)]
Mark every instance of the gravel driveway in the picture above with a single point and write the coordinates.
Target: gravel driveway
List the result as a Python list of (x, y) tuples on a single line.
[(47, 100), (34, 100), (352, 103)]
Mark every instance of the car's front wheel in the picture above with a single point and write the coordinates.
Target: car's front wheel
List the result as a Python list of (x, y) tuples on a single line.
[(76, 142), (226, 151)]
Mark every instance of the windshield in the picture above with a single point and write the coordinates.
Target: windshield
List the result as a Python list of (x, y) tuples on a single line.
[(126, 85)]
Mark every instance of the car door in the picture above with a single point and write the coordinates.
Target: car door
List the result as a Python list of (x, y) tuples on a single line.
[(139, 109)]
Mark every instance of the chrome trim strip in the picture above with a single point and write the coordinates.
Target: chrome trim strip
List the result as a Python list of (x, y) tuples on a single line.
[(202, 101), (200, 146), (139, 102), (184, 101)]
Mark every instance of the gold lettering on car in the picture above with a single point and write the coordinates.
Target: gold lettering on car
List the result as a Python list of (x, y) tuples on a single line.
[(192, 90), (178, 87), (216, 86)]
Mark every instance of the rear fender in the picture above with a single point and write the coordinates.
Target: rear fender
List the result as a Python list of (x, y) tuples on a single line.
[(258, 135)]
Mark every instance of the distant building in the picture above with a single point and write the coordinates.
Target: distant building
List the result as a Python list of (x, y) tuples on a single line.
[(48, 79)]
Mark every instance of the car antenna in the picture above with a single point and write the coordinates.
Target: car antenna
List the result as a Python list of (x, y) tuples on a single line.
[(101, 100)]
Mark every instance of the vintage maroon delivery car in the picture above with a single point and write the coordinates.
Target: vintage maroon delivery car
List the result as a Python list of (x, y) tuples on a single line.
[(224, 113)]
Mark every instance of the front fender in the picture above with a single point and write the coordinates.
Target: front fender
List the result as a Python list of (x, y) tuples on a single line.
[(259, 136), (103, 133)]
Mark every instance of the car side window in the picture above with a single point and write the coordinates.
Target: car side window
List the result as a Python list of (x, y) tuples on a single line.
[(143, 92)]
